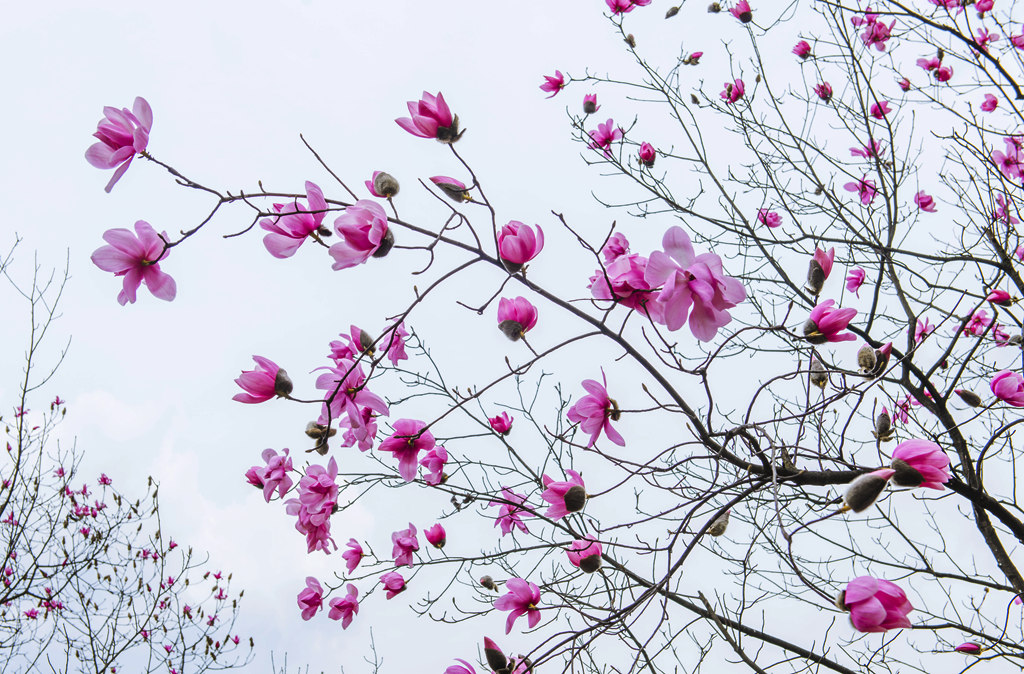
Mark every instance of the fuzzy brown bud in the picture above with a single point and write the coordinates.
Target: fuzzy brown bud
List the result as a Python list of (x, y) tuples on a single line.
[(319, 431), (718, 527), (385, 185), (450, 134), (496, 660), (969, 397), (672, 11), (590, 564), (883, 426), (819, 376), (866, 489), (385, 244), (575, 498), (694, 99), (905, 475), (866, 359), (589, 107), (512, 329), (282, 384), (1015, 340), (631, 41), (815, 277), (714, 8), (488, 582)]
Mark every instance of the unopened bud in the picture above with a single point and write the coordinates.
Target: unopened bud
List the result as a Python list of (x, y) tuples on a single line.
[(882, 359), (841, 601), (940, 54), (512, 329), (905, 475), (575, 498), (319, 431), (694, 99), (511, 267), (385, 244), (815, 277), (1015, 340), (488, 582), (366, 342), (866, 359), (718, 527), (866, 489), (714, 8), (282, 384), (496, 660), (819, 376), (589, 107), (631, 41), (590, 564), (385, 185), (969, 397), (324, 232), (883, 426), (672, 11)]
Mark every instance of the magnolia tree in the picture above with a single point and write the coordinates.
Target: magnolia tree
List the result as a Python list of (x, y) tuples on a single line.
[(88, 582), (795, 446)]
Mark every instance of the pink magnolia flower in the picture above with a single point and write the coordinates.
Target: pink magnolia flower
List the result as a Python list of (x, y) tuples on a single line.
[(510, 513), (517, 244), (768, 218), (924, 202), (1000, 335), (823, 91), (553, 84), (395, 343), (616, 246), (870, 151), (929, 64), (826, 324), (1017, 41), (353, 555), (880, 110), (1002, 213), (978, 324), (802, 49), (501, 424), (733, 91), (318, 490), (433, 465), (436, 536), (516, 317), (603, 137), (585, 554), (363, 228), (920, 463), (311, 599), (122, 134), (522, 599), (989, 103), (345, 608), (693, 286), (273, 476), (136, 257), (854, 280), (315, 526), (409, 439), (382, 185), (969, 647), (405, 544), (875, 605), (595, 412), (1000, 297), (393, 583), (877, 34), (453, 188), (628, 285), (943, 73), (865, 188), (923, 329), (431, 118), (741, 10), (901, 412), (263, 383), (647, 154), (564, 497), (590, 105), (294, 223), (1009, 162), (1008, 386), (825, 260), (904, 84), (350, 346), (625, 6), (464, 668), (106, 481), (694, 58), (984, 6), (345, 385)]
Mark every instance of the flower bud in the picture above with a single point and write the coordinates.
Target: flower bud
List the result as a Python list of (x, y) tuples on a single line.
[(385, 185), (366, 342), (575, 498), (496, 660), (672, 11), (323, 231), (815, 277), (1015, 340), (694, 99), (714, 8), (488, 582), (883, 426), (590, 564), (718, 527), (631, 41), (512, 329), (866, 489), (590, 104), (282, 384), (969, 397), (866, 360), (819, 376), (969, 647), (319, 431)]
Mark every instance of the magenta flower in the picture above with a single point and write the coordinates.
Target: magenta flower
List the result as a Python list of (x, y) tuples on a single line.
[(453, 188), (929, 64), (733, 91), (433, 465), (311, 599), (923, 329), (742, 11), (136, 257), (345, 608), (502, 423), (517, 244), (273, 476), (924, 202), (647, 154), (585, 554), (628, 285), (353, 555), (315, 526), (1008, 386), (351, 345), (409, 439), (825, 260), (522, 599), (464, 668), (363, 228), (694, 58), (1000, 297), (802, 49), (122, 134), (904, 84), (826, 324), (616, 246), (431, 118), (590, 105), (920, 463), (865, 189), (595, 412), (943, 73), (395, 343), (854, 280), (516, 317), (405, 544), (823, 91), (393, 583), (347, 394), (694, 286), (978, 324), (1002, 212), (877, 34), (880, 110), (990, 103), (564, 497), (318, 490), (436, 536), (510, 513), (625, 6), (553, 84), (1010, 162), (870, 151), (603, 137), (875, 605), (969, 647), (768, 218), (294, 222), (263, 383)]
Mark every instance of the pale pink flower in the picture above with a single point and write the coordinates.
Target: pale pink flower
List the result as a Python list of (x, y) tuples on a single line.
[(363, 228), (1010, 162), (294, 222), (353, 555), (522, 599), (585, 554), (564, 497), (855, 279), (431, 118), (501, 424), (516, 317), (553, 84), (733, 91), (603, 137), (436, 536), (393, 583), (596, 411), (768, 218), (345, 608), (628, 285), (616, 246), (517, 244), (404, 544), (350, 346), (920, 463), (989, 103), (924, 202), (901, 412), (1000, 335), (433, 465), (929, 64), (923, 329), (826, 324), (1003, 213), (870, 151), (410, 437), (802, 49), (865, 189), (122, 134), (315, 526), (741, 10), (510, 513), (263, 383), (136, 257), (1008, 386), (880, 110), (647, 154), (311, 599), (273, 476), (876, 605), (318, 490)]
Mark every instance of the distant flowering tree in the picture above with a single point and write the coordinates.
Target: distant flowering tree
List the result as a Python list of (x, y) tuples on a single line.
[(89, 582), (742, 500)]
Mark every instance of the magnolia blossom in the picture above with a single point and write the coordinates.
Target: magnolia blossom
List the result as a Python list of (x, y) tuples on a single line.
[(1011, 161), (511, 512), (395, 343), (590, 105), (409, 439), (516, 317), (363, 228), (870, 151), (920, 463), (553, 84), (564, 497), (978, 324), (854, 280), (904, 84), (350, 346), (501, 424), (875, 605), (353, 555), (517, 244), (263, 383), (522, 599), (382, 185), (345, 608), (693, 286), (625, 6), (823, 91), (741, 10), (1008, 386), (969, 647), (616, 246), (923, 329), (1000, 297), (404, 544), (311, 599), (595, 412), (877, 34), (603, 137), (865, 189), (136, 257), (393, 583), (768, 218), (943, 73), (122, 134), (826, 324), (585, 554), (453, 188), (464, 668), (628, 286), (880, 110), (436, 536), (294, 222), (431, 118), (924, 202), (733, 91), (346, 393), (647, 154), (433, 465), (273, 476), (1002, 213), (802, 49)]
